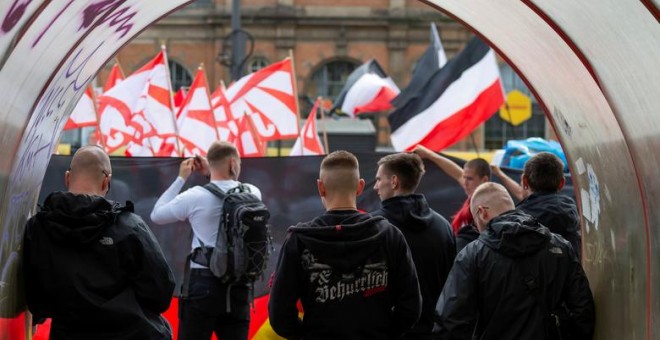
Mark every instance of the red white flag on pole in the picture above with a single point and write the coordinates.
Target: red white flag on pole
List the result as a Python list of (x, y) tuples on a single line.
[(309, 142), (247, 140), (115, 77), (137, 112), (197, 127), (268, 96), (84, 114)]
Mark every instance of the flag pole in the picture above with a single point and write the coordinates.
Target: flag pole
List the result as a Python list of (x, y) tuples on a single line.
[(253, 131), (295, 93), (208, 95), (98, 119), (169, 84), (325, 132)]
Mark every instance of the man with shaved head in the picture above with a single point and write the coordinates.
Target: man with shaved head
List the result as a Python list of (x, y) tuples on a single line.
[(92, 266), (510, 282), (352, 272), (208, 305)]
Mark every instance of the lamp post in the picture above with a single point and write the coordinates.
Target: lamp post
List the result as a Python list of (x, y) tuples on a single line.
[(238, 41)]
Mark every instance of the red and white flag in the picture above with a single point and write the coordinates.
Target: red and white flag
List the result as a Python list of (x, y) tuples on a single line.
[(454, 101), (84, 114), (247, 140), (178, 99), (115, 77), (197, 127), (268, 96), (137, 113), (309, 143)]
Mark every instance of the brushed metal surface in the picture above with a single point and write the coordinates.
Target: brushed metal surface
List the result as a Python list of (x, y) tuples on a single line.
[(610, 199), (621, 42)]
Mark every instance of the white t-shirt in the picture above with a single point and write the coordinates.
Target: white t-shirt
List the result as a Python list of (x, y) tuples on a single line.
[(197, 205)]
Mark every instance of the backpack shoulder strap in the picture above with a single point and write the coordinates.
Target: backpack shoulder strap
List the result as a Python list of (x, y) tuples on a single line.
[(215, 190)]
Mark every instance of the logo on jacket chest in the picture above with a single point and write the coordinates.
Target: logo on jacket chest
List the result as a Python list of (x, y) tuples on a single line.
[(106, 241), (330, 285)]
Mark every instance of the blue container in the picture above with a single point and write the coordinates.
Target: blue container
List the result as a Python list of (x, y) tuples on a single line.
[(517, 152)]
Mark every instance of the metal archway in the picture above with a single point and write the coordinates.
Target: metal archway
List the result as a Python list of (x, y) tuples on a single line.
[(593, 67), (49, 52), (591, 64)]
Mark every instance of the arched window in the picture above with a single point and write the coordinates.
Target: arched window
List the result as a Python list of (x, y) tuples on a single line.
[(498, 131), (256, 64), (329, 79), (179, 75)]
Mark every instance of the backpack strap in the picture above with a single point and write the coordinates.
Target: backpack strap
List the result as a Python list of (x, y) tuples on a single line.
[(186, 272)]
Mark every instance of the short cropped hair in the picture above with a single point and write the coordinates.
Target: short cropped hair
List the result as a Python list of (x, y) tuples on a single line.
[(408, 167), (544, 172), (221, 150), (480, 167), (340, 160)]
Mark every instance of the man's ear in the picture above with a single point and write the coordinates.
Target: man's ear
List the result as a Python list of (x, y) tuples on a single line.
[(320, 187), (67, 179), (395, 182), (562, 183), (105, 186), (523, 181), (360, 187)]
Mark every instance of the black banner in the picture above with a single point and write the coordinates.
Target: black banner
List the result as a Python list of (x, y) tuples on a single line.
[(287, 184)]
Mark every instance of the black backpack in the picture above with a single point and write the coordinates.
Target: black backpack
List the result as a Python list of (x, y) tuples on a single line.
[(244, 225)]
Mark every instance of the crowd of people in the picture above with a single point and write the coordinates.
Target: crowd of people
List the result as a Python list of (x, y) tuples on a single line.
[(497, 271)]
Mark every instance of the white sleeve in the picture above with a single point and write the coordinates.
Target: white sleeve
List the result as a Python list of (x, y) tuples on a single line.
[(171, 207), (254, 190)]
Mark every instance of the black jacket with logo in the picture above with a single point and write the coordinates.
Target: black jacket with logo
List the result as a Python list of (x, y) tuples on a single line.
[(558, 212), (353, 275), (432, 246), (96, 270), (488, 294)]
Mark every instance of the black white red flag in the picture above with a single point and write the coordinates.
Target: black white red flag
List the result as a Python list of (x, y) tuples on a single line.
[(367, 89), (432, 60), (455, 101)]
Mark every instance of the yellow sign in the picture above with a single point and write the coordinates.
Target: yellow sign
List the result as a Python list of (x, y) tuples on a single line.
[(517, 109)]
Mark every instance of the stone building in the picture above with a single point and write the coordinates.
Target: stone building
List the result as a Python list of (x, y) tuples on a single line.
[(327, 39)]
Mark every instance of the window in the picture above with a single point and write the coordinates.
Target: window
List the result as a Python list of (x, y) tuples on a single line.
[(498, 132), (256, 64), (328, 80), (179, 76)]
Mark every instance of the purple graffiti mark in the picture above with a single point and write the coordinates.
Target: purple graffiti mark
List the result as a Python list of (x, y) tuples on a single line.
[(109, 11), (16, 12), (51, 23), (71, 70), (18, 198), (67, 85), (35, 146), (93, 11), (124, 22)]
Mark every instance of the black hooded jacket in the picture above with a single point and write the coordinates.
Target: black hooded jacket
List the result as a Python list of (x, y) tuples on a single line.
[(432, 246), (96, 270), (558, 212), (488, 290), (354, 276)]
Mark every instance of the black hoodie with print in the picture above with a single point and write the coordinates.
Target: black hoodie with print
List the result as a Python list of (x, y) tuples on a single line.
[(505, 284), (96, 270), (432, 246), (354, 276)]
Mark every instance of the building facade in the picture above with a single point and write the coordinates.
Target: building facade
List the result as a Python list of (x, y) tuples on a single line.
[(326, 38)]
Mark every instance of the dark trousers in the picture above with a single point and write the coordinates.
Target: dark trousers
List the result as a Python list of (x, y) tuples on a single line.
[(204, 311)]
